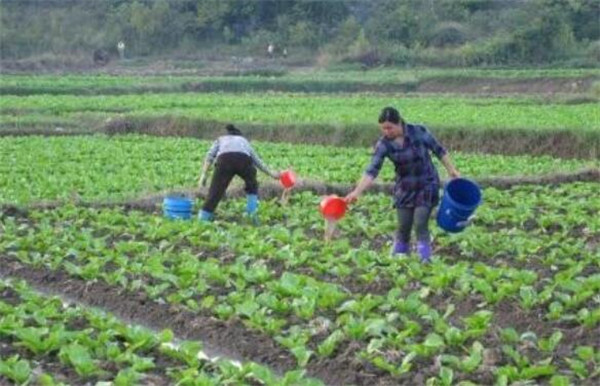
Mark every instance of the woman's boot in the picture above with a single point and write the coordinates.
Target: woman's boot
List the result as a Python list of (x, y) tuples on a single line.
[(424, 250), (252, 207), (205, 216), (401, 248)]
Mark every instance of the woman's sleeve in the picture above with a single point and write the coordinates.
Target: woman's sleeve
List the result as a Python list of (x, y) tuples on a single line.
[(259, 163), (212, 152), (431, 142), (377, 160)]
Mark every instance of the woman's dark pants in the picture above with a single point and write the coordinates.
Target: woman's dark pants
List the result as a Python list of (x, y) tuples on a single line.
[(419, 216), (227, 166)]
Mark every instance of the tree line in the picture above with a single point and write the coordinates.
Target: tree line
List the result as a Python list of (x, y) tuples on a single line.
[(371, 32)]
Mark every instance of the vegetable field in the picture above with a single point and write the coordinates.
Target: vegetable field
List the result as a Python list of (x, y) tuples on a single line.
[(283, 108), (513, 299), (97, 287), (100, 167)]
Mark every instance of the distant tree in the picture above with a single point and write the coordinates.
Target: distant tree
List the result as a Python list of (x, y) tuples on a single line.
[(404, 21), (491, 31), (304, 33), (547, 36), (448, 34), (347, 34)]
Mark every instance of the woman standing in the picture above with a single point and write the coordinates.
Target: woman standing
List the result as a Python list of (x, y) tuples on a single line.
[(417, 183), (234, 156)]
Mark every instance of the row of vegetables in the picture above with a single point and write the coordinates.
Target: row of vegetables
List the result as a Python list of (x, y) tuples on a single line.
[(285, 109), (102, 83), (102, 168)]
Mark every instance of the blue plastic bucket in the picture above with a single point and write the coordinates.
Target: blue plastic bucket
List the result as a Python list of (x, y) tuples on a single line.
[(177, 207), (461, 198)]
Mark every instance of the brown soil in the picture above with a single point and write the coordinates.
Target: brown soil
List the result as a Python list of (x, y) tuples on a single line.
[(509, 314)]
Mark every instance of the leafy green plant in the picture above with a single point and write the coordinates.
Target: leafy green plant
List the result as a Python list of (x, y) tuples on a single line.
[(327, 347), (80, 358), (15, 369), (549, 344)]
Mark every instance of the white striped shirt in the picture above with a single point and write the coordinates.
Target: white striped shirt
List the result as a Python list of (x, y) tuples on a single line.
[(235, 144)]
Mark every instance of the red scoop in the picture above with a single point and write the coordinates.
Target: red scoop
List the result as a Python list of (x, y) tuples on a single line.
[(287, 178), (333, 207)]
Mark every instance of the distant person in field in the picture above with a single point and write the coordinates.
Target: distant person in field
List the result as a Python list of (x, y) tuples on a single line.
[(416, 191), (233, 156), (121, 49), (271, 50)]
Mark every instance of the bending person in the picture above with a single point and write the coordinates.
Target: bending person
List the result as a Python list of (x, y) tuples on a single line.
[(234, 157)]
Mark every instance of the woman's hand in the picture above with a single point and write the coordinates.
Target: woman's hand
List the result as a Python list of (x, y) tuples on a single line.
[(202, 181), (363, 184), (351, 197), (454, 173)]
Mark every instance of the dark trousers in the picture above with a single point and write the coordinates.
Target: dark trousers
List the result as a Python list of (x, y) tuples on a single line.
[(419, 216), (227, 166)]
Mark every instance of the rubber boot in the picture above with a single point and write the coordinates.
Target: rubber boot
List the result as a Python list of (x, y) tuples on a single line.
[(205, 216), (252, 207), (401, 248), (424, 250)]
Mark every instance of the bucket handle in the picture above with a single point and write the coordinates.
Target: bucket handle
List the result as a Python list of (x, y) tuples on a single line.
[(465, 223), (458, 224)]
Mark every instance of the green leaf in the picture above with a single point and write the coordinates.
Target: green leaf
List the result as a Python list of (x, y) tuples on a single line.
[(560, 380), (578, 367), (585, 353), (548, 345), (454, 336), (472, 362), (446, 376), (79, 357), (46, 380), (165, 336), (15, 369), (376, 327), (262, 374), (126, 377), (302, 355), (533, 372), (247, 308), (327, 347), (434, 341)]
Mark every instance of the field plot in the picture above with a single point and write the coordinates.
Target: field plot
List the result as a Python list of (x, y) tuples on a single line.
[(514, 298), (452, 111), (382, 80), (101, 167)]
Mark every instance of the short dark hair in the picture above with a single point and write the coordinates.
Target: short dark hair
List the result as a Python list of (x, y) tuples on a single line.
[(232, 130), (390, 114)]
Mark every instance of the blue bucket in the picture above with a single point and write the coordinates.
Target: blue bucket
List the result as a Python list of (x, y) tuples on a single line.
[(177, 207), (461, 198)]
